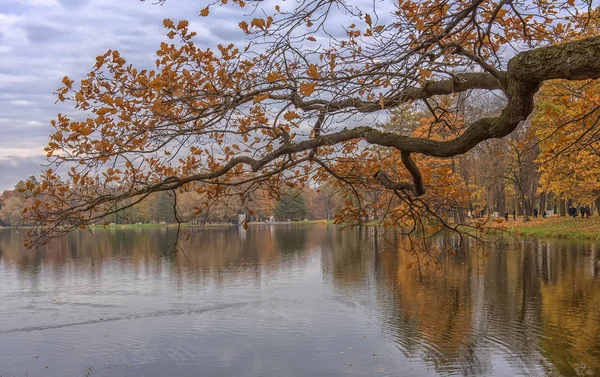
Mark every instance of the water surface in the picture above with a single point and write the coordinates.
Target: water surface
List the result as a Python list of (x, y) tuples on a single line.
[(294, 301)]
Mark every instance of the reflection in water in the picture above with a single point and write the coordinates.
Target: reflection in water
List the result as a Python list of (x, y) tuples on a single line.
[(294, 300)]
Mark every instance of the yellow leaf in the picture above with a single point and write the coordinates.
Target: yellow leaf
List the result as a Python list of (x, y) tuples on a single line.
[(204, 12), (306, 89)]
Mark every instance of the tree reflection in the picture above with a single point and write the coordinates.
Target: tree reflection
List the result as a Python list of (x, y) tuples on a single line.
[(532, 304), (535, 303)]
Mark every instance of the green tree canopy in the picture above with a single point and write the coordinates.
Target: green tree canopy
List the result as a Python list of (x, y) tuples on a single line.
[(291, 206)]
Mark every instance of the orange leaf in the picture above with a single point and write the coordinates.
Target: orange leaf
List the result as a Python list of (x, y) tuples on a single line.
[(274, 76), (259, 23), (168, 23), (290, 115), (182, 24), (261, 97), (425, 73), (312, 71), (204, 12), (306, 89)]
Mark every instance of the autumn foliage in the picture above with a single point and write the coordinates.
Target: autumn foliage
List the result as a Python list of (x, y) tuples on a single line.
[(298, 107)]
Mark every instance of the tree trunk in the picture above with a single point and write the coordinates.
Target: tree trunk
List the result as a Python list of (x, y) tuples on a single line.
[(597, 203), (500, 200), (524, 203), (562, 208), (542, 206)]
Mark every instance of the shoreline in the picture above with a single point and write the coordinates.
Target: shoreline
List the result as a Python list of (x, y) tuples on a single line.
[(553, 227), (556, 227)]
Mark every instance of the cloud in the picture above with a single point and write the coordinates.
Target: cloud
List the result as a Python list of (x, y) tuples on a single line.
[(43, 40), (15, 168), (44, 33)]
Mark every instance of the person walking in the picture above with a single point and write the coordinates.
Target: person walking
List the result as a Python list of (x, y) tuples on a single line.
[(514, 214), (506, 215), (572, 211), (582, 211), (535, 213), (588, 212)]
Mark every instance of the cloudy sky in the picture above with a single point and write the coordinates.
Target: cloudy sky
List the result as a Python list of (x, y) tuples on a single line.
[(43, 40)]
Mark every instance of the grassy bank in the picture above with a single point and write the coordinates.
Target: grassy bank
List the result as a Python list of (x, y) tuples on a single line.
[(557, 227), (554, 227), (312, 222)]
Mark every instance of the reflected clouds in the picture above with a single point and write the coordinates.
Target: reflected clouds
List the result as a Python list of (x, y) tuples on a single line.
[(281, 295)]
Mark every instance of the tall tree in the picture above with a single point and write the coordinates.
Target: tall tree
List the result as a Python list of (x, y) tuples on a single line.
[(212, 116), (568, 123)]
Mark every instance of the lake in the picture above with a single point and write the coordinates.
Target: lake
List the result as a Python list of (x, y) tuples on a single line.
[(295, 300)]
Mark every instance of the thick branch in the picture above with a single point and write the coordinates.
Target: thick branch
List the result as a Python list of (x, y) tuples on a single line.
[(459, 83), (578, 60), (526, 72)]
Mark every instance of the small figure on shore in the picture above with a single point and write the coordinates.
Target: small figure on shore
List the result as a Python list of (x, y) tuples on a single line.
[(572, 211), (535, 213), (582, 211), (514, 214), (588, 212), (544, 214), (506, 215)]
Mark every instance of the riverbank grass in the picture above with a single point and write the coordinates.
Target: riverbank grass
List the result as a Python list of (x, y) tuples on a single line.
[(557, 227)]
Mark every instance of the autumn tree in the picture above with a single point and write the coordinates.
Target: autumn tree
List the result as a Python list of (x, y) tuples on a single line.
[(13, 202), (11, 211), (567, 123), (299, 102)]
